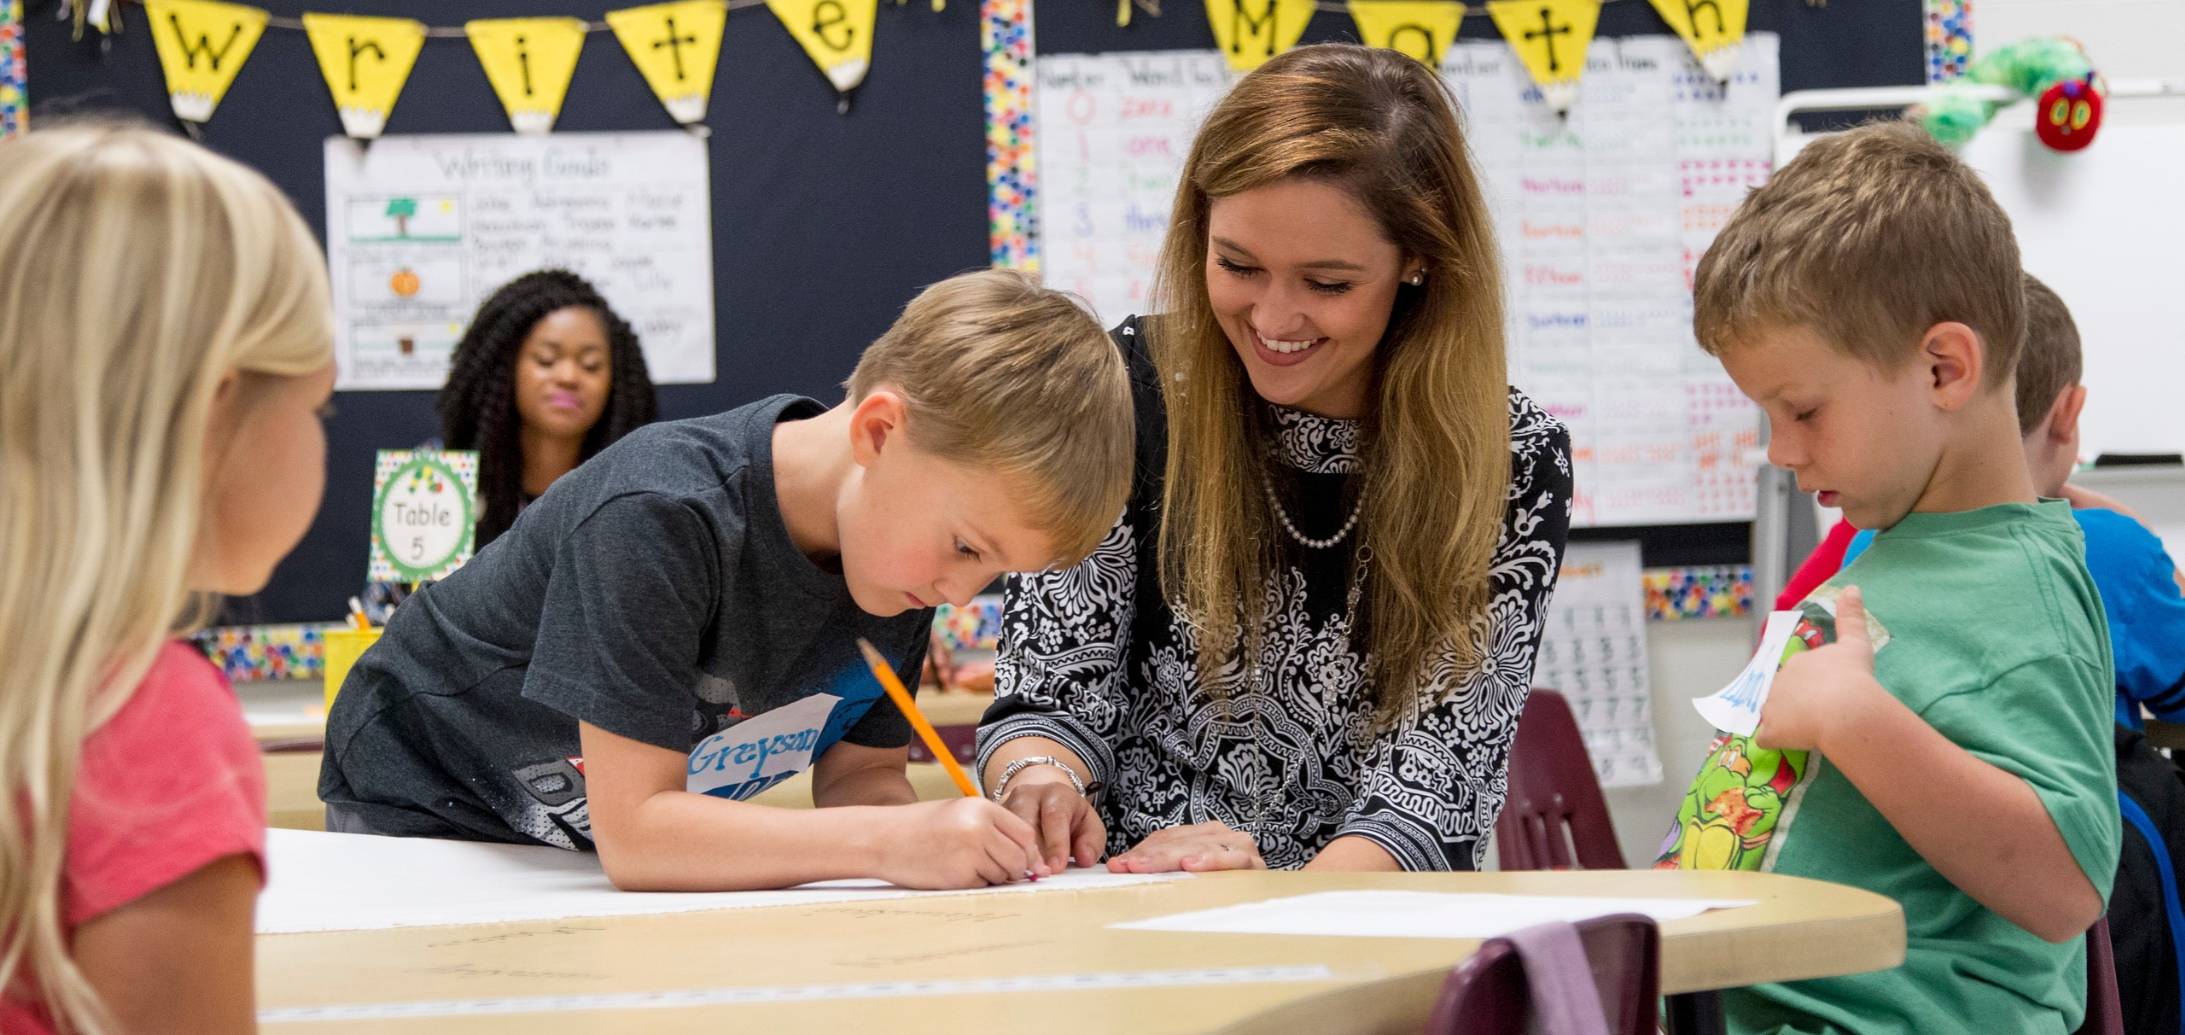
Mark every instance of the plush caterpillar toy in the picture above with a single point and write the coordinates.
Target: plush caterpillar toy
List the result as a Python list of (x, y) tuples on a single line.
[(2066, 115)]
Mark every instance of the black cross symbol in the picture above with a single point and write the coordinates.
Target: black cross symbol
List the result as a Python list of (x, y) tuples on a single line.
[(1550, 31), (674, 43)]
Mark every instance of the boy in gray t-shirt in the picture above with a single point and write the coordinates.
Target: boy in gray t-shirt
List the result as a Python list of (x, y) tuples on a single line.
[(672, 627)]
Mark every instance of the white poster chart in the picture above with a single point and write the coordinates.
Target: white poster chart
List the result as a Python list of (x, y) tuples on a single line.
[(1416, 914), (360, 882), (421, 229), (1593, 652), (1602, 219)]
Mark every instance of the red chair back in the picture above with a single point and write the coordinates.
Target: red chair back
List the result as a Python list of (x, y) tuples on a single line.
[(1489, 993), (2104, 1012), (1554, 817)]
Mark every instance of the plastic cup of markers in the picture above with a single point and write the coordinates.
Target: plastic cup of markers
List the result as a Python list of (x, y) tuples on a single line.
[(343, 647)]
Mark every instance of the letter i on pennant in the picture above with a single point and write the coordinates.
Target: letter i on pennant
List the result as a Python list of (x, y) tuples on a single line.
[(529, 61)]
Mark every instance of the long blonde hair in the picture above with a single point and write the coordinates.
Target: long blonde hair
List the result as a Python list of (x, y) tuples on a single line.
[(1435, 434), (136, 272)]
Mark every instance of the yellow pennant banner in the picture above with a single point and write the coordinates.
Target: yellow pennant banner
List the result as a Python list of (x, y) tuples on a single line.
[(1712, 28), (529, 62), (1420, 28), (836, 34), (365, 62), (676, 46), (1248, 32), (201, 44), (1550, 37)]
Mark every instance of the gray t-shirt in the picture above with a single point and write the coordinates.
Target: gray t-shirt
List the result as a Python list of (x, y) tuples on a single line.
[(652, 592)]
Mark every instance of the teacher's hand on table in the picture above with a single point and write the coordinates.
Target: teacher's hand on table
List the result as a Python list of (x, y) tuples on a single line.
[(1069, 828), (1199, 847)]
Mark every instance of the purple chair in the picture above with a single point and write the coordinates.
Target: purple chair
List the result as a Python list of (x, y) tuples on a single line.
[(1554, 817), (2104, 1013), (1493, 992)]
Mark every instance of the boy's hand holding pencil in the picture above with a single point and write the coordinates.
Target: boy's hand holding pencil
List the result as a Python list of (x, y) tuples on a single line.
[(963, 843)]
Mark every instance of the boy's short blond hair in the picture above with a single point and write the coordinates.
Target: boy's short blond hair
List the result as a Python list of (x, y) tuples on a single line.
[(2050, 362), (1868, 237), (1006, 376)]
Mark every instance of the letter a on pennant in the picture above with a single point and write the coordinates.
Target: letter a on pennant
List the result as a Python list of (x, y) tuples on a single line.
[(676, 47), (1248, 32), (529, 62), (201, 44), (1712, 28), (365, 62), (836, 34), (1550, 37), (1420, 28)]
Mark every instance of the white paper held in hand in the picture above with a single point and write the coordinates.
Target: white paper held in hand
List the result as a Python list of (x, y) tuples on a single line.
[(1736, 708)]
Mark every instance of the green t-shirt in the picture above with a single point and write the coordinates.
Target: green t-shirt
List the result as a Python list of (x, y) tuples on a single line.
[(1991, 631)]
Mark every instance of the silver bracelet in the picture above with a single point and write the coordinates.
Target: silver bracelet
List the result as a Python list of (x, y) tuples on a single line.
[(1012, 769)]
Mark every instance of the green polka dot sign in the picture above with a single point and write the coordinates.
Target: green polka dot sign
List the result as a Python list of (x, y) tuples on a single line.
[(424, 513)]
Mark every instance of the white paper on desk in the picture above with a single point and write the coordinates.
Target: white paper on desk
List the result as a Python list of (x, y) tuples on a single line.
[(1736, 708), (1416, 914), (359, 882)]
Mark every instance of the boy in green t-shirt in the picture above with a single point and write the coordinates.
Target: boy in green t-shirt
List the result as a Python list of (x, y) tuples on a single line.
[(1939, 730)]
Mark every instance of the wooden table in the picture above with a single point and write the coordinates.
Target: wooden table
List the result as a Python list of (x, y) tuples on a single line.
[(816, 968)]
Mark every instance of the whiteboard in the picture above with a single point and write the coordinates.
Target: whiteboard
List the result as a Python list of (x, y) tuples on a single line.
[(421, 229), (1600, 219), (2104, 228)]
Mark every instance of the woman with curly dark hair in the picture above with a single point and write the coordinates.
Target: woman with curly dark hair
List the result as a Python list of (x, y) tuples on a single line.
[(546, 376)]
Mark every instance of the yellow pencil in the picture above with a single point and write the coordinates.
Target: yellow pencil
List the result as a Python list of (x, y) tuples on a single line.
[(885, 673)]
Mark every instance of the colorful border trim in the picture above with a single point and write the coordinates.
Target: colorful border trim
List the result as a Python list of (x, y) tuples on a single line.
[(14, 75), (1949, 39), (1678, 594), (253, 652), (1005, 33)]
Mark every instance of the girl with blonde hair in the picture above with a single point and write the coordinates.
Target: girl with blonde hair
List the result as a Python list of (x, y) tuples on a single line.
[(1309, 637), (165, 350)]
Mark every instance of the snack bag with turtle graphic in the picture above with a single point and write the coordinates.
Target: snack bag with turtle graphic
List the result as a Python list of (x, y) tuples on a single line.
[(1745, 794)]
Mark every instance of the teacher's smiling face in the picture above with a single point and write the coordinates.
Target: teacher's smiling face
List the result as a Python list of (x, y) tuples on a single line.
[(1302, 281)]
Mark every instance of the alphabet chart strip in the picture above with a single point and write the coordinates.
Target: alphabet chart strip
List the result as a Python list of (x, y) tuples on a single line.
[(1602, 219), (421, 229), (1593, 652)]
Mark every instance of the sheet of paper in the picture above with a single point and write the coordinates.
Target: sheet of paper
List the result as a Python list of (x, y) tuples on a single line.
[(357, 882), (1736, 707), (1416, 914), (1593, 652), (422, 228)]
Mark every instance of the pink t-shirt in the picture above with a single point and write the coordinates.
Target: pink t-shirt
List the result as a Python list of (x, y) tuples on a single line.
[(169, 785)]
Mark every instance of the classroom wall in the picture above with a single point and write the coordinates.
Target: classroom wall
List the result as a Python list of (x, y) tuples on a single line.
[(824, 225), (2128, 39)]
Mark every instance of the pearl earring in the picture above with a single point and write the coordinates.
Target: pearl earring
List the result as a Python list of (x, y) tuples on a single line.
[(1417, 279)]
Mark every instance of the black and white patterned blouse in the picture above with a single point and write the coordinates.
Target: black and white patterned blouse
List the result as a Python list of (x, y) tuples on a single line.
[(1092, 657)]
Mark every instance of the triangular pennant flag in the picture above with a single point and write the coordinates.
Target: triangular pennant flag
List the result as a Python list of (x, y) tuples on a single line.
[(1420, 28), (1550, 37), (529, 62), (836, 34), (1712, 28), (201, 44), (1248, 32), (676, 47), (365, 62)]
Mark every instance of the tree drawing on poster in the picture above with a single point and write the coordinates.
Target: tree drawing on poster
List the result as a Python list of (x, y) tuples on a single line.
[(1601, 218), (420, 229)]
